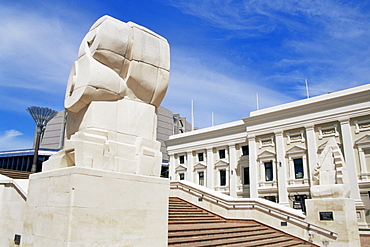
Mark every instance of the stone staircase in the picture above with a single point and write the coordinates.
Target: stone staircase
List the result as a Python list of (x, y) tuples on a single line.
[(15, 174), (190, 225)]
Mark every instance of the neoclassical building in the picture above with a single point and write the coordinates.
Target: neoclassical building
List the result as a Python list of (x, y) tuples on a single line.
[(272, 153)]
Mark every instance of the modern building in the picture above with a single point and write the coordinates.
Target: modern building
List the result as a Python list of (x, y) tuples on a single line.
[(273, 153)]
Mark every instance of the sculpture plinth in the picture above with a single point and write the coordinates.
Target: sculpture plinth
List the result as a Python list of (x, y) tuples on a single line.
[(330, 206), (103, 188)]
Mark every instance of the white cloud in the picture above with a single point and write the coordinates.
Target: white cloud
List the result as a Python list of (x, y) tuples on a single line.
[(230, 98), (323, 41), (13, 139), (36, 47)]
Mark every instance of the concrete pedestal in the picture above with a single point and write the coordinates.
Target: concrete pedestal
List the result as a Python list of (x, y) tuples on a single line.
[(338, 215), (78, 206)]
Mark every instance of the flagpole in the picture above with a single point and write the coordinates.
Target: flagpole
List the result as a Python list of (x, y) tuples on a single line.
[(192, 115), (308, 95)]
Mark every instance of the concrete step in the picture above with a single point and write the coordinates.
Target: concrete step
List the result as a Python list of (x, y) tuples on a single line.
[(190, 225), (15, 174)]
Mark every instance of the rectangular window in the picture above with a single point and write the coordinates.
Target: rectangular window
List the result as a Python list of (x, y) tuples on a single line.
[(182, 176), (201, 178), (269, 171), (222, 153), (222, 177), (271, 198), (245, 150), (298, 168), (182, 159), (200, 157), (246, 176)]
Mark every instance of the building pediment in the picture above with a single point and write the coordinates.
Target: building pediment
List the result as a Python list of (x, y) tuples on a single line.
[(296, 149), (365, 140), (181, 168), (322, 146), (200, 166), (244, 158), (221, 163), (266, 154)]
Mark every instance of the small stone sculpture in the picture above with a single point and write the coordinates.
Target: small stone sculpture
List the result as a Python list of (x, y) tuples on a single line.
[(330, 179), (114, 88)]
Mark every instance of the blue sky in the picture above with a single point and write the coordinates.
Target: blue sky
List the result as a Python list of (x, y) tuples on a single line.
[(222, 53)]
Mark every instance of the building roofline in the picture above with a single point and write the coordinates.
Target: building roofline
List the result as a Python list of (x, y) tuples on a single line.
[(319, 103)]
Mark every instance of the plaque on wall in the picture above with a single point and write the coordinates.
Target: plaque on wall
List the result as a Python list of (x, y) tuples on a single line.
[(326, 216), (297, 205)]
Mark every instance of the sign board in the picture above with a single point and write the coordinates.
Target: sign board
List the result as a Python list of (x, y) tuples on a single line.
[(297, 205), (326, 216)]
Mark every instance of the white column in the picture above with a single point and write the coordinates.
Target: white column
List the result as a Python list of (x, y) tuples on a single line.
[(311, 150), (350, 160), (262, 172), (305, 171), (291, 168), (172, 167), (189, 164), (361, 154), (232, 170), (210, 168), (349, 157), (253, 167), (281, 169)]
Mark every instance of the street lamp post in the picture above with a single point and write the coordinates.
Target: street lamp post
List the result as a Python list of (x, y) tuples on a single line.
[(42, 116)]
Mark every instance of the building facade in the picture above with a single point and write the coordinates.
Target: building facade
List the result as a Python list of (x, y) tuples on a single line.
[(273, 153)]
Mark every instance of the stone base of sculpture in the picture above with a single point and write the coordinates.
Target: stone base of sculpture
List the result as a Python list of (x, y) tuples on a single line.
[(115, 136), (78, 206), (338, 215)]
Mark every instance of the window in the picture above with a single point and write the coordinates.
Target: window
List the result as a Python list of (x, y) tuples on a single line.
[(298, 168), (222, 153), (266, 141), (246, 176), (295, 137), (182, 159), (200, 157), (222, 177), (362, 125), (182, 176), (245, 150), (270, 198), (269, 171), (328, 131), (201, 178)]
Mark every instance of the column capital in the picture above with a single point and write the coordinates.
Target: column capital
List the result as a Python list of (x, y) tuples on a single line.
[(309, 127), (344, 121), (278, 132), (251, 136), (232, 145)]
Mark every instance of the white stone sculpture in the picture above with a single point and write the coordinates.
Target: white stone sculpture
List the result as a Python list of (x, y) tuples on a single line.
[(118, 60), (330, 179), (104, 188), (114, 87)]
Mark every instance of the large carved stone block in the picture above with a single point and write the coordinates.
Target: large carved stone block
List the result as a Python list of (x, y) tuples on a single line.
[(118, 60)]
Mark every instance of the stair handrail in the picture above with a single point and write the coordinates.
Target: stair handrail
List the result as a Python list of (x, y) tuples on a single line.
[(238, 203), (15, 184)]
